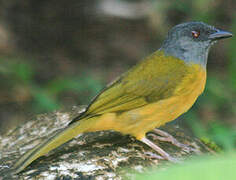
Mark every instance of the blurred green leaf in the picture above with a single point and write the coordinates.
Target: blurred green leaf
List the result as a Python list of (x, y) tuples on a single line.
[(78, 84), (204, 168), (43, 102), (193, 122), (23, 71), (222, 135), (217, 90)]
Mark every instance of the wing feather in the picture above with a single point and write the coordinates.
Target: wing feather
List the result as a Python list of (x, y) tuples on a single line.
[(153, 79)]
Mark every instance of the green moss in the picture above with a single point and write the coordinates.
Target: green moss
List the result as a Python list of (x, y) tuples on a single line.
[(212, 145)]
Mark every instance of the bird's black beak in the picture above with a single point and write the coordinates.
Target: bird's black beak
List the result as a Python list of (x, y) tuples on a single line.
[(219, 34)]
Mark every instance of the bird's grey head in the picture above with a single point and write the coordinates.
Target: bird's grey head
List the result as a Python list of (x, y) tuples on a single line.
[(191, 41)]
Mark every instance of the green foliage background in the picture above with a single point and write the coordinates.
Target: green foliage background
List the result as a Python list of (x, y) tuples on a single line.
[(60, 54)]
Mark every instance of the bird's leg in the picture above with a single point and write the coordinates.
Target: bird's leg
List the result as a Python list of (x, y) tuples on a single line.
[(163, 154), (164, 136)]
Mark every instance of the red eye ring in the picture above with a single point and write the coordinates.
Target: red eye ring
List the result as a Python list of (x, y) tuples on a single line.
[(195, 34)]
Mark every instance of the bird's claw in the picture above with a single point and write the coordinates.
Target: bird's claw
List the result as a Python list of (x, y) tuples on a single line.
[(166, 137)]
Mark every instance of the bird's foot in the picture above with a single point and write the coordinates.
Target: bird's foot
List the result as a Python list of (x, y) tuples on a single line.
[(164, 136), (163, 154), (152, 155)]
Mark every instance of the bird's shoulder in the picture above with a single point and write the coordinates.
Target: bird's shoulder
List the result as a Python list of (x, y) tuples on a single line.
[(158, 72)]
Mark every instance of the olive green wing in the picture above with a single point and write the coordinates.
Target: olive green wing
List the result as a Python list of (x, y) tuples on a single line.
[(149, 81), (116, 98)]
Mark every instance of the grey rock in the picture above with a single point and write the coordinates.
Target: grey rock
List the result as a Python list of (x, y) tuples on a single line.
[(97, 155)]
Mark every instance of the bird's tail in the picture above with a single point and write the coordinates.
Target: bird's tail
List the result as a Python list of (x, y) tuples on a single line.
[(58, 139)]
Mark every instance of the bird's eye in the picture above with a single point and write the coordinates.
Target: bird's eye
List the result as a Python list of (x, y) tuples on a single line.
[(195, 34)]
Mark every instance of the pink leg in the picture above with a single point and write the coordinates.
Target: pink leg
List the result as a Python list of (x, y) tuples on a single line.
[(164, 136), (164, 154)]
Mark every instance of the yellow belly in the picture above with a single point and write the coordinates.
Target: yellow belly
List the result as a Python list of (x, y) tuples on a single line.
[(141, 120)]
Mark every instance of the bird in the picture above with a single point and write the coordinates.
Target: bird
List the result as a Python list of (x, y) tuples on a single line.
[(155, 91)]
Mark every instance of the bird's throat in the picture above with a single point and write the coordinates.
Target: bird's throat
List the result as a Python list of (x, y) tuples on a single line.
[(196, 54)]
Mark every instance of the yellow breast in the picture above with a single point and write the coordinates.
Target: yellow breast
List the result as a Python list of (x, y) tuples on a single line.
[(141, 120)]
